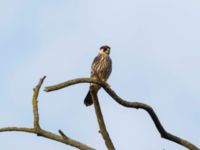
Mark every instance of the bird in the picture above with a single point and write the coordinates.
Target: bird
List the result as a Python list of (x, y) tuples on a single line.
[(101, 69)]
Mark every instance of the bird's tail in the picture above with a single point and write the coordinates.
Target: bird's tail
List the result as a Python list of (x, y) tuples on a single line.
[(88, 99)]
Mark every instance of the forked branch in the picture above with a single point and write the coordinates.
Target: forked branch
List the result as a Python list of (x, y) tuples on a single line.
[(41, 132), (137, 105)]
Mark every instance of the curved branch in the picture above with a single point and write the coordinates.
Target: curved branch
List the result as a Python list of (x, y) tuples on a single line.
[(40, 132), (137, 105)]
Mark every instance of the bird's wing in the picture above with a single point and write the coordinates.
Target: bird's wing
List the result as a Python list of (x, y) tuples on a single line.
[(94, 66)]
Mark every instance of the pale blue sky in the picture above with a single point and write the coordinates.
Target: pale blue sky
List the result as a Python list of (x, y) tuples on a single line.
[(155, 52)]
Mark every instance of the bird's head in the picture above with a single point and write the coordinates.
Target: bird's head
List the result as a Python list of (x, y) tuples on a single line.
[(105, 50)]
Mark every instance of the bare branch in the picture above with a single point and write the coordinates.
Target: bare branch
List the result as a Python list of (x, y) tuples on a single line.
[(67, 141), (21, 129), (40, 132), (137, 105), (35, 103), (100, 119), (49, 135)]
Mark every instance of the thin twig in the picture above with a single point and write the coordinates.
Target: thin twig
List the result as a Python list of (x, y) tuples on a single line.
[(101, 122), (63, 134), (137, 105)]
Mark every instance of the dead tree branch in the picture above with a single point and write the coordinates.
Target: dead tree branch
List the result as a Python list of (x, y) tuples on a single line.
[(137, 105), (41, 132), (100, 120)]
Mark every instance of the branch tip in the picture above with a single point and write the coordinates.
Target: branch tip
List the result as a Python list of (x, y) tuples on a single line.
[(62, 134), (45, 89)]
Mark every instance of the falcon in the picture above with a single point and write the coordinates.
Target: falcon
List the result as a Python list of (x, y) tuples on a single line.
[(101, 69)]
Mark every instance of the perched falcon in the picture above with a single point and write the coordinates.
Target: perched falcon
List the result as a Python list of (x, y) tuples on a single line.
[(100, 69)]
